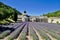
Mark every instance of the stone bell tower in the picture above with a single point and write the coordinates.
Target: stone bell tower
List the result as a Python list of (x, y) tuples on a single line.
[(24, 14), (24, 18)]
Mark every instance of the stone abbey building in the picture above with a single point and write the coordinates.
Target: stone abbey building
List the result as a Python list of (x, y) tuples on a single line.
[(27, 18)]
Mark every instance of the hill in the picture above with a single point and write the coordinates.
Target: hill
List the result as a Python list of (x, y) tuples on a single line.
[(53, 14), (7, 13)]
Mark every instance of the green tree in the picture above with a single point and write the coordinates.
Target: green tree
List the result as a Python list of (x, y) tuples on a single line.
[(15, 16)]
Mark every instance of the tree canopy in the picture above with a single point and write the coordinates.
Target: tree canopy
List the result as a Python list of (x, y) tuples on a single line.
[(53, 14), (7, 12)]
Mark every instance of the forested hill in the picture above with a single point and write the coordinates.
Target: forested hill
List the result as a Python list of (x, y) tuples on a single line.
[(7, 13), (53, 14)]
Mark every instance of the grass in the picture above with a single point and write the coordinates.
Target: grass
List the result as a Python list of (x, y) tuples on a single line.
[(23, 36), (33, 37), (10, 20), (6, 21), (4, 34), (43, 35), (3, 22), (53, 34), (9, 38), (32, 34)]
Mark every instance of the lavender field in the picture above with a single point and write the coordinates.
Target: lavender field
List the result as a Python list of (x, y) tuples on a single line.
[(30, 31)]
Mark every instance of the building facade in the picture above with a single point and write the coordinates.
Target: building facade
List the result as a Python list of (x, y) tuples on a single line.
[(27, 18), (54, 20)]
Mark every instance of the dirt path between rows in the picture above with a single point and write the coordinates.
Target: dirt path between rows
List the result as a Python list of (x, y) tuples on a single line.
[(50, 36), (29, 37), (40, 38)]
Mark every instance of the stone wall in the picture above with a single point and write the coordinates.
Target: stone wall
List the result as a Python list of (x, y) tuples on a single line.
[(53, 20)]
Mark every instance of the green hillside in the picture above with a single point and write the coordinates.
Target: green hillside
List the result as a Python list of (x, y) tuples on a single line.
[(7, 13), (53, 14)]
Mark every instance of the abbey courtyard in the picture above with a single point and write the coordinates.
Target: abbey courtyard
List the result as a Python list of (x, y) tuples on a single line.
[(26, 18)]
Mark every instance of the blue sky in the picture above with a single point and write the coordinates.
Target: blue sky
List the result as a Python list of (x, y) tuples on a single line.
[(34, 7)]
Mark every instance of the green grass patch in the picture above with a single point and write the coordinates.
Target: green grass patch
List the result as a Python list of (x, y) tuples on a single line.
[(3, 22), (43, 35), (9, 38), (23, 36), (4, 34)]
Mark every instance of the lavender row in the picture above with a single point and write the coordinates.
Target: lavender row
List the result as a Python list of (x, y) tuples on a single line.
[(23, 34), (32, 33), (15, 33)]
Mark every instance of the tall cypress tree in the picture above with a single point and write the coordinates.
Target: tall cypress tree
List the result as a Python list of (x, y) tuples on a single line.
[(15, 16)]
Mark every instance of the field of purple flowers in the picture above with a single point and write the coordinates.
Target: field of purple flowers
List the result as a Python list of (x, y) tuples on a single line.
[(30, 31)]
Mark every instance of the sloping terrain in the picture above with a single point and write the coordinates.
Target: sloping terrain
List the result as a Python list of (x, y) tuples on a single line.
[(7, 13)]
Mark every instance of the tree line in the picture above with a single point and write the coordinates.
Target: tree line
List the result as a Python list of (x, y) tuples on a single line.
[(53, 14), (8, 12)]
